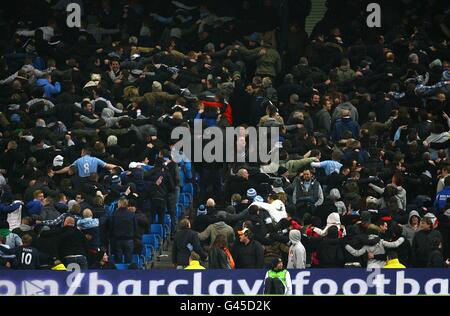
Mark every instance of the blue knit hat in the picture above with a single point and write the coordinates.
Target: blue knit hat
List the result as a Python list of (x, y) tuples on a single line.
[(202, 210), (251, 193), (446, 75), (258, 198), (15, 118)]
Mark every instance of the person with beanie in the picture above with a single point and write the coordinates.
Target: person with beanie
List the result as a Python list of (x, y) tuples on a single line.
[(12, 240), (278, 279), (205, 216), (251, 194)]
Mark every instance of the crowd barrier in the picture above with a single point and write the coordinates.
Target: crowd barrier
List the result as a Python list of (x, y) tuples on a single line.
[(224, 282)]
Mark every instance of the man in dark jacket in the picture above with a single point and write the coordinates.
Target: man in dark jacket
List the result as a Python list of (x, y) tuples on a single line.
[(330, 251), (48, 211), (72, 244), (421, 246), (247, 253), (122, 231), (237, 184), (345, 123), (185, 241)]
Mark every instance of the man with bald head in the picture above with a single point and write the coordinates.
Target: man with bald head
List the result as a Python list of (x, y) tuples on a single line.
[(72, 247), (345, 123)]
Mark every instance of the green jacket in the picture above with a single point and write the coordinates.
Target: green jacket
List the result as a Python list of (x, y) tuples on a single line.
[(268, 60), (294, 166)]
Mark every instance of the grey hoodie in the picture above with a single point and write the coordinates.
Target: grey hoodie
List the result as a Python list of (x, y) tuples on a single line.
[(297, 252), (213, 230), (408, 230), (108, 116)]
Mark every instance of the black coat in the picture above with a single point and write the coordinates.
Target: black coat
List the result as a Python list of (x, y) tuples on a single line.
[(183, 242), (421, 247), (71, 242), (331, 253), (123, 224), (236, 184), (249, 256)]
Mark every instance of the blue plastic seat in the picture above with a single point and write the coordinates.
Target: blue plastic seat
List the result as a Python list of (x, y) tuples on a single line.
[(138, 260), (151, 240), (121, 266)]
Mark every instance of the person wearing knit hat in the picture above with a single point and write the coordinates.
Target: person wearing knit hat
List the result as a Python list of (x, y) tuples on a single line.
[(251, 193), (15, 118), (258, 198), (12, 240), (115, 179), (277, 186), (433, 219), (278, 279), (446, 75), (58, 161), (202, 210)]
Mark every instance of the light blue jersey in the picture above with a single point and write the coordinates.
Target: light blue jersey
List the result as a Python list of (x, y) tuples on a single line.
[(329, 166), (87, 165)]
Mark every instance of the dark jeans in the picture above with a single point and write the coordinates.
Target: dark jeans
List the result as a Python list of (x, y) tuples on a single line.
[(80, 260), (157, 208), (172, 200), (123, 247)]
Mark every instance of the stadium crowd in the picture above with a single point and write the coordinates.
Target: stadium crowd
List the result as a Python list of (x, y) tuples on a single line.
[(87, 171)]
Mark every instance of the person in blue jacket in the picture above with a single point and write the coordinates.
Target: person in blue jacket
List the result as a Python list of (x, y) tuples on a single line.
[(441, 198), (50, 89)]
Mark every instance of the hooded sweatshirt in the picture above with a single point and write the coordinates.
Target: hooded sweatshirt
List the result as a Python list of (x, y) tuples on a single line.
[(332, 220), (108, 116), (213, 230), (297, 252), (408, 229)]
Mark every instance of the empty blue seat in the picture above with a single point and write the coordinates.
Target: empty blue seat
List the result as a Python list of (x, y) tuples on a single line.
[(185, 199), (157, 229), (180, 210), (138, 260), (151, 240), (121, 266), (147, 252), (188, 188)]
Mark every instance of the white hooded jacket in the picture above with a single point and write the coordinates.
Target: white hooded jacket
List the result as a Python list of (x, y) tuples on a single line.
[(332, 220)]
